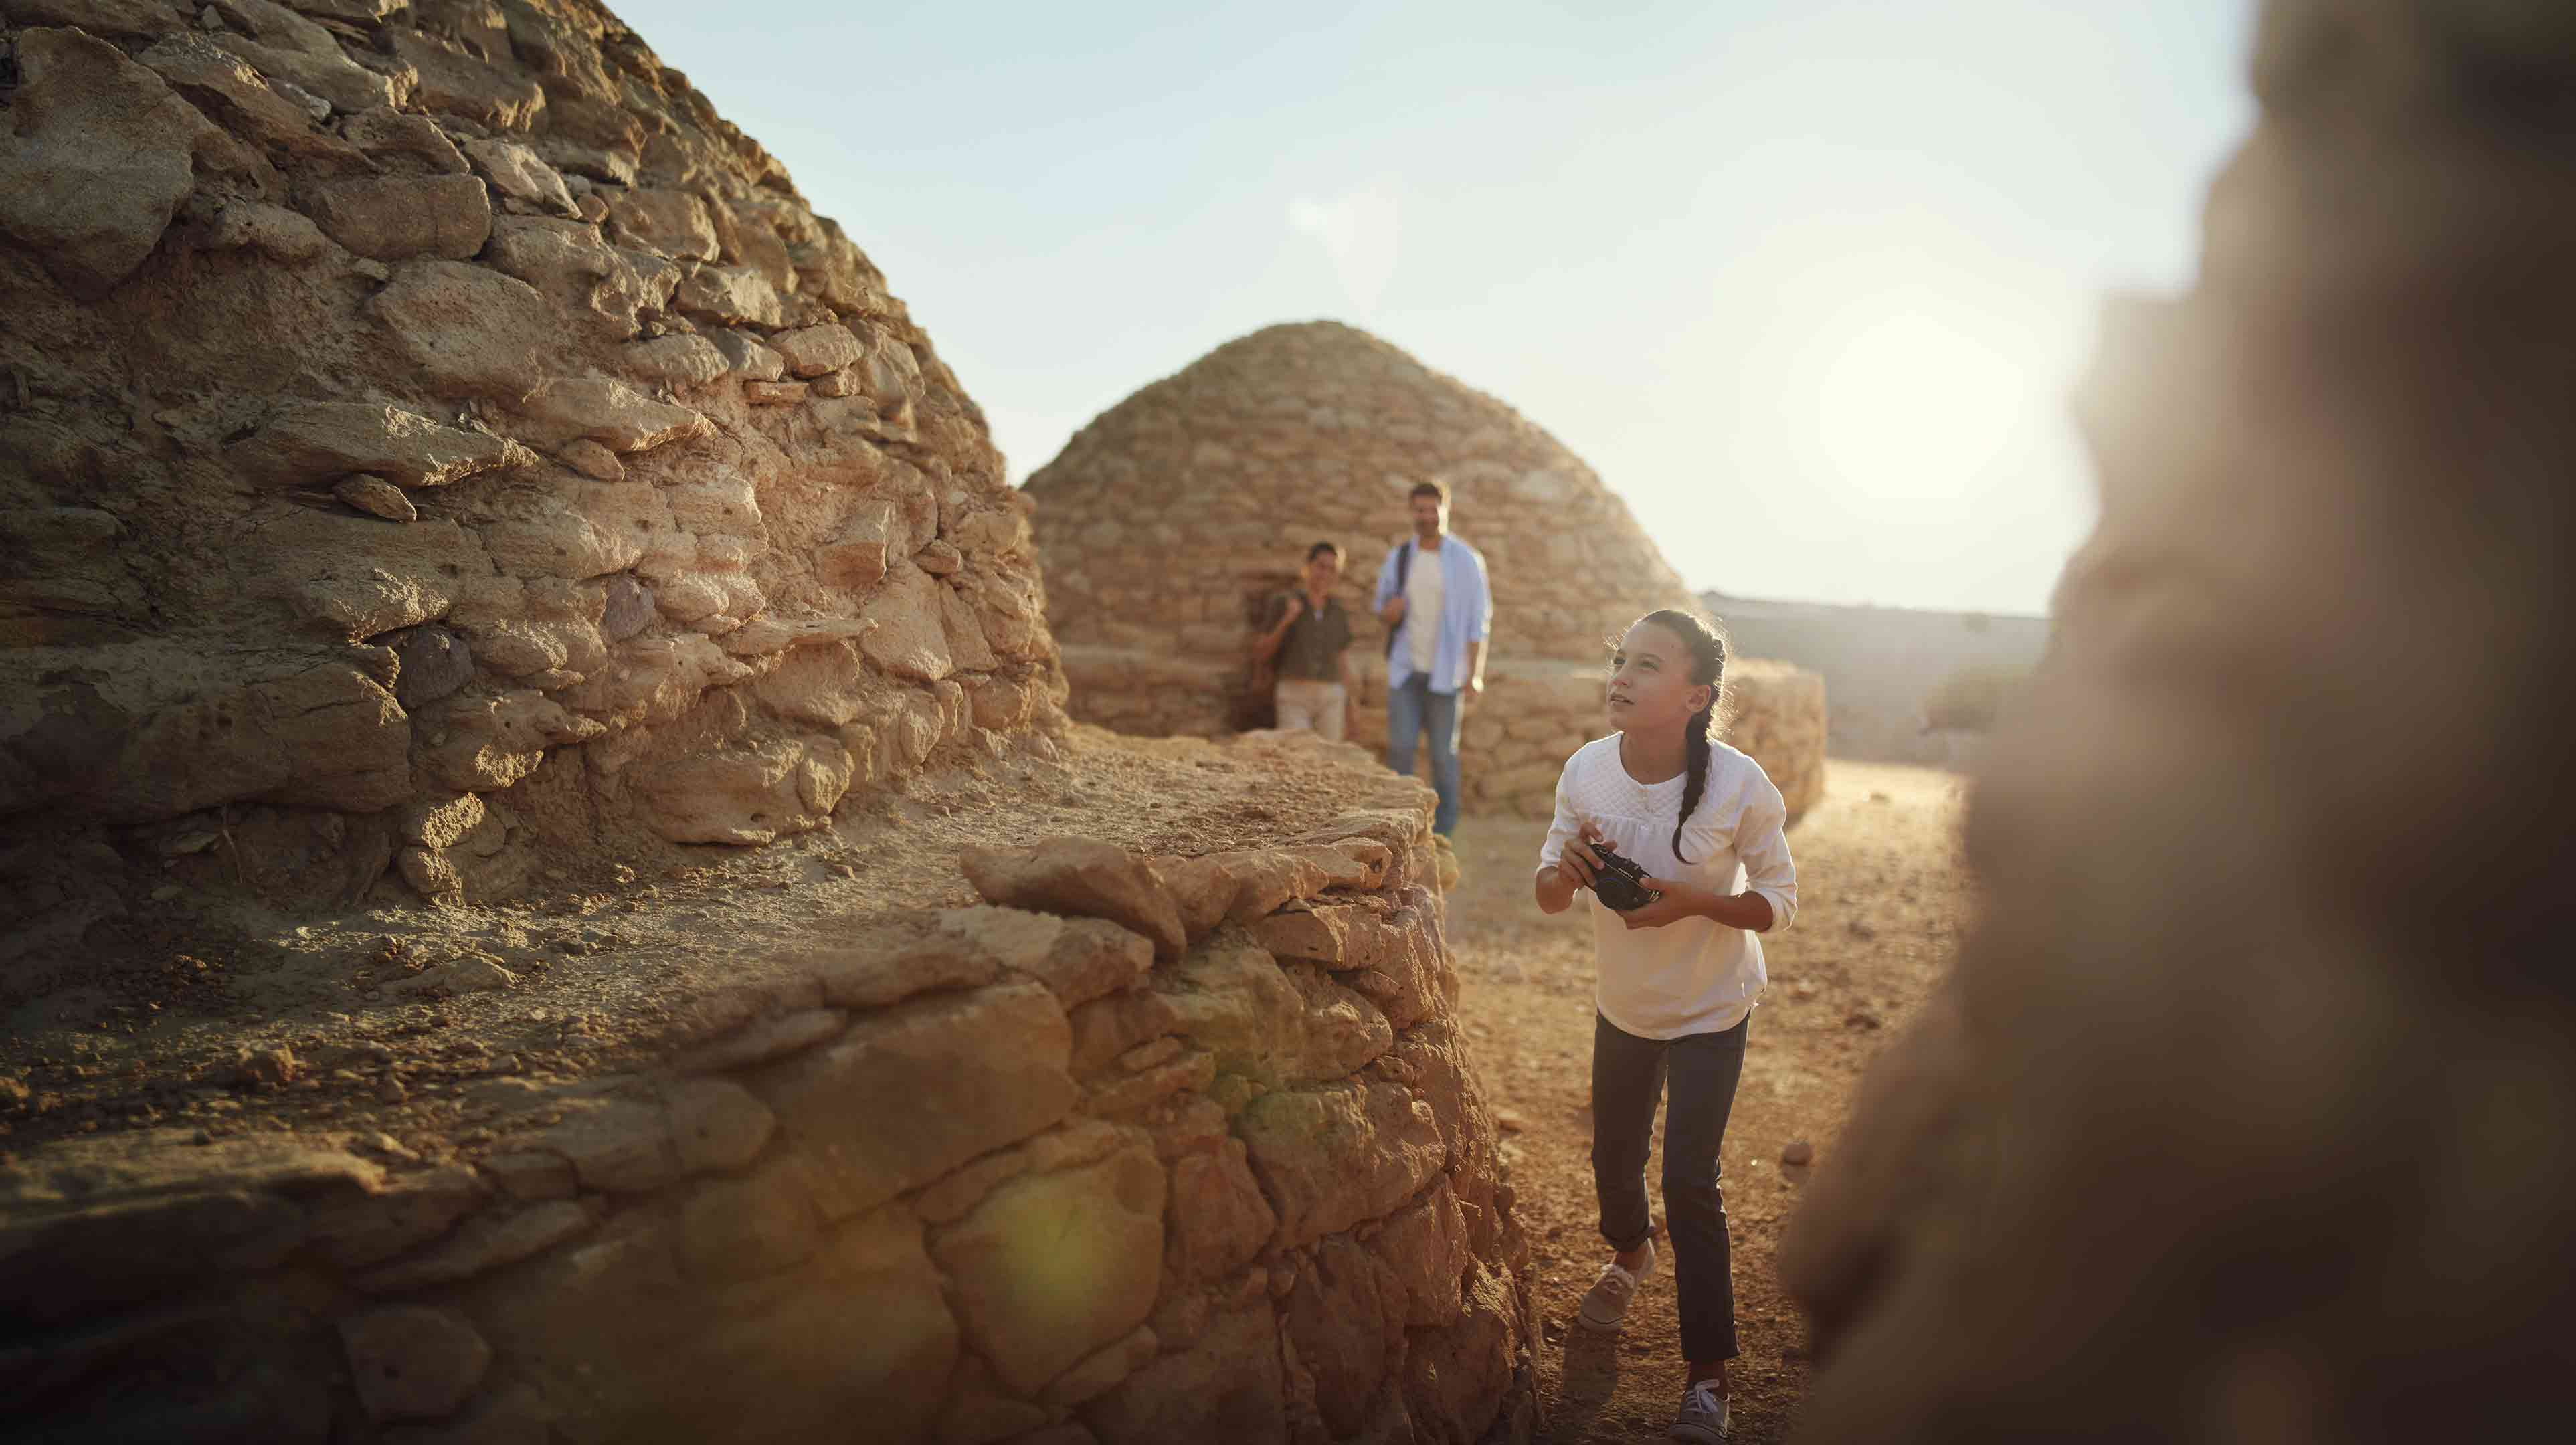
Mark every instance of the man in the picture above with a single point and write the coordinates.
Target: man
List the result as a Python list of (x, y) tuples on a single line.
[(1431, 595), (1311, 638)]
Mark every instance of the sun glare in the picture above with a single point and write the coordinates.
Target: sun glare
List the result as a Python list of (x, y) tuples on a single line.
[(1914, 406)]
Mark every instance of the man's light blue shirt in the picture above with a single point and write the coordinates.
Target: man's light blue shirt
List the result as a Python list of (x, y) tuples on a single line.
[(1466, 612)]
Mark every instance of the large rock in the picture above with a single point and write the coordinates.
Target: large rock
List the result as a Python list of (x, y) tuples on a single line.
[(453, 83), (1050, 1268), (229, 92), (312, 442), (1224, 1385), (674, 223), (1461, 1373), (910, 638), (1279, 1028), (395, 218), (608, 412), (606, 291), (288, 47), (1346, 1335), (729, 295), (1332, 1157), (745, 795), (626, 1346), (1219, 1220), (491, 742), (616, 1146), (96, 157), (179, 734), (118, 1217), (995, 1059), (435, 663), (410, 1210), (467, 328), (1425, 1252), (351, 579), (483, 1244), (1081, 876), (403, 144), (814, 350), (519, 174), (411, 1362), (676, 360), (139, 19)]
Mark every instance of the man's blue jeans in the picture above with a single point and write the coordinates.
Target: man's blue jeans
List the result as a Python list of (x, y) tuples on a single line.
[(1415, 709)]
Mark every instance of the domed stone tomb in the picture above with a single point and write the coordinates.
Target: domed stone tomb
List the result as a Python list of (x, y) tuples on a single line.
[(433, 435), (1169, 521)]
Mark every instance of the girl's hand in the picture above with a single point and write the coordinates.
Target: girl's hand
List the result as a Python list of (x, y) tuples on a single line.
[(1680, 900), (1578, 864)]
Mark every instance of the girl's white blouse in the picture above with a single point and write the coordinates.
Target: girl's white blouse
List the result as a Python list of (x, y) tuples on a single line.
[(1694, 976)]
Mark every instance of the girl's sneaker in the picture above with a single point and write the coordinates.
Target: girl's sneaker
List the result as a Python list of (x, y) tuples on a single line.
[(1703, 1417), (1606, 1303)]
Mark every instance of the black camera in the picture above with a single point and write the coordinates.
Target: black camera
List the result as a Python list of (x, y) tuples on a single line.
[(1621, 883)]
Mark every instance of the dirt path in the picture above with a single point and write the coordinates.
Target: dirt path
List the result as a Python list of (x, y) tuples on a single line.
[(1882, 901)]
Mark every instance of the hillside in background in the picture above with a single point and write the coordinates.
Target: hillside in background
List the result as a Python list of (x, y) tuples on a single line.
[(1879, 663)]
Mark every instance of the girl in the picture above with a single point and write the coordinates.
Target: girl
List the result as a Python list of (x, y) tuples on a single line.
[(1676, 978)]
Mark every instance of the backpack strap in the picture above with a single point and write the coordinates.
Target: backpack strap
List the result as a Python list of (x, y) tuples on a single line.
[(1403, 573)]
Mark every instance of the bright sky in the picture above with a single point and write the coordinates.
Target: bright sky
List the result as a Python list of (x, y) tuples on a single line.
[(1805, 281)]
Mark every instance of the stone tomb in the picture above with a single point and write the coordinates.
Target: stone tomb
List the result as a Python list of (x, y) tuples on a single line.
[(431, 436), (1167, 522)]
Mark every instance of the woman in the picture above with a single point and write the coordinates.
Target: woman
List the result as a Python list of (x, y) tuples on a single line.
[(1308, 646), (1676, 977)]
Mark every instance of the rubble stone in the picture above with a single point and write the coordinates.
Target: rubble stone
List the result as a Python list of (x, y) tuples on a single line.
[(518, 174), (1052, 1267), (310, 442), (376, 497), (995, 1059), (400, 217), (1074, 875), (412, 1362), (1224, 1383), (98, 156)]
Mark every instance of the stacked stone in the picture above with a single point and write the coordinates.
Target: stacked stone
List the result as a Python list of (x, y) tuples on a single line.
[(1776, 712), (1169, 521), (430, 432), (1143, 1151)]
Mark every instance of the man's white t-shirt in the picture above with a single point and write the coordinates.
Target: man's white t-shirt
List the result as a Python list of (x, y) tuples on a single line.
[(1694, 976), (1425, 589)]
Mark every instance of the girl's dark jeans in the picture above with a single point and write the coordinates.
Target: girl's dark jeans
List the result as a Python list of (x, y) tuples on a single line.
[(1628, 1075)]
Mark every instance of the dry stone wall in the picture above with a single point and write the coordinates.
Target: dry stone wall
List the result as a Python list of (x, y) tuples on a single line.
[(1141, 1152), (1168, 522), (431, 433)]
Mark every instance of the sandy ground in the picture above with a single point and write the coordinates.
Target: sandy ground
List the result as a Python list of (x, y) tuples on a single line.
[(1882, 903)]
